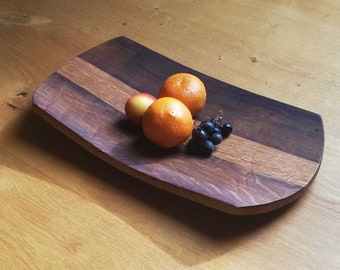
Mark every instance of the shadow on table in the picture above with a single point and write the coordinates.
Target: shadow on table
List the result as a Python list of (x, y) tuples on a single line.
[(188, 232)]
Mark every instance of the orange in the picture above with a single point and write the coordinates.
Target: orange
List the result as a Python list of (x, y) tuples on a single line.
[(187, 88), (167, 122)]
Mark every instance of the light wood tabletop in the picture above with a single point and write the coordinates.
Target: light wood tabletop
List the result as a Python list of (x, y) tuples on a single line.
[(63, 208)]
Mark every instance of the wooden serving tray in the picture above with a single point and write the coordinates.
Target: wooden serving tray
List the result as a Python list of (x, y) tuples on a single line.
[(271, 157)]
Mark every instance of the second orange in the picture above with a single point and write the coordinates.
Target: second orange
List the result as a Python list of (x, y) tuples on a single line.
[(187, 88)]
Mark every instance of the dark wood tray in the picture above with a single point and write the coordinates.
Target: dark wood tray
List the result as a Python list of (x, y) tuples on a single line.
[(271, 157)]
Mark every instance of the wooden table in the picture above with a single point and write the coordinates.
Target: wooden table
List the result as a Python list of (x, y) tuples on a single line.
[(62, 208)]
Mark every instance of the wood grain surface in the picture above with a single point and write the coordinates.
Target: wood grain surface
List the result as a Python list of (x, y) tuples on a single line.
[(63, 208), (273, 154)]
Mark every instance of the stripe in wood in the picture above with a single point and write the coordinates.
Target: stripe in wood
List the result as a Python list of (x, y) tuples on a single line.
[(266, 160), (97, 82)]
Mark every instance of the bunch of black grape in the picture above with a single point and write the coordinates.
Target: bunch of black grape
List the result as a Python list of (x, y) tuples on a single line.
[(206, 135)]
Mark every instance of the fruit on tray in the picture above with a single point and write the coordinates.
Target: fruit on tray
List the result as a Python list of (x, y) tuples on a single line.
[(187, 88), (167, 122), (136, 106), (206, 135)]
